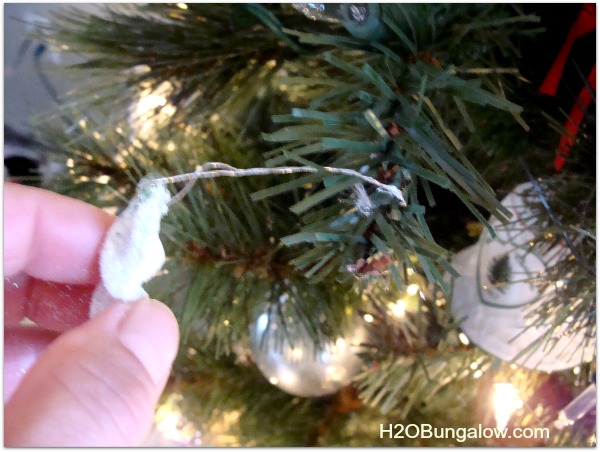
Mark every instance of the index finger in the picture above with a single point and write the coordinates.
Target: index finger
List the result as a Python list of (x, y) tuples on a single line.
[(52, 237)]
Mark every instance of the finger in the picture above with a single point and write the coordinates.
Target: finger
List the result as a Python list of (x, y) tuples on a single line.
[(96, 385), (50, 236), (22, 348), (54, 306), (58, 307), (15, 296)]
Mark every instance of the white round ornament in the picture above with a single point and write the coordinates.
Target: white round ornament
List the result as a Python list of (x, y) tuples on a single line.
[(298, 367), (496, 295)]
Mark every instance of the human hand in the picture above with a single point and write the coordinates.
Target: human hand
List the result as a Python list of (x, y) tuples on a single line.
[(76, 382)]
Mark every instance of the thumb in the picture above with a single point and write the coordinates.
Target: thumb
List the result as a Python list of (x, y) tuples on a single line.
[(98, 384)]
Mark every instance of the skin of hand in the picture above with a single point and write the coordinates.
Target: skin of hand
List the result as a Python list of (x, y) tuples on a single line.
[(71, 381)]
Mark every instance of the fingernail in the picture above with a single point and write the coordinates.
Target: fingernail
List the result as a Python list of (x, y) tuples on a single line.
[(149, 330)]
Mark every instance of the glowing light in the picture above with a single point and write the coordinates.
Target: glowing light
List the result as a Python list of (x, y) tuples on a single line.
[(506, 401), (398, 308), (273, 380), (151, 111), (104, 179), (192, 351), (412, 289), (150, 102), (297, 353), (462, 337), (288, 378), (262, 322), (368, 318), (340, 343), (182, 6), (226, 322), (173, 426), (168, 110), (169, 425), (70, 163), (577, 370), (478, 373), (560, 283), (473, 365)]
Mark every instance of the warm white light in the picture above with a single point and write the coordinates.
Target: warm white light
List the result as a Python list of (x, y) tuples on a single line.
[(104, 179), (150, 102), (340, 343), (288, 378), (506, 402), (182, 6), (368, 318), (273, 380), (70, 163), (168, 110), (398, 308), (151, 111), (169, 425), (462, 337), (577, 370), (297, 353), (412, 289)]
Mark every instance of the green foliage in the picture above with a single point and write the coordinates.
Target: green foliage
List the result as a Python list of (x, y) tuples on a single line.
[(375, 109), (564, 208), (428, 105)]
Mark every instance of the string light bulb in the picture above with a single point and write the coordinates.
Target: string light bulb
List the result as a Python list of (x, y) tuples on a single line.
[(398, 309), (412, 289), (506, 401)]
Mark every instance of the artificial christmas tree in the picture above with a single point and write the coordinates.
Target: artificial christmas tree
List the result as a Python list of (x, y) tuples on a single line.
[(407, 123)]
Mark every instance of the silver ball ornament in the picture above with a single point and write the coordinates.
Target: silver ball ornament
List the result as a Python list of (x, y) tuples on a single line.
[(288, 358)]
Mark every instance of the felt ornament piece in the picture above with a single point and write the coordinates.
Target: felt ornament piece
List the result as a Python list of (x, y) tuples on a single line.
[(497, 294), (132, 252)]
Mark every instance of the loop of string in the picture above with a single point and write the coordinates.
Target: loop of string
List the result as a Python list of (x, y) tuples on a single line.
[(217, 169)]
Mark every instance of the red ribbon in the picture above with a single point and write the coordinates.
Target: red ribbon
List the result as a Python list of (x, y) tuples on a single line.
[(584, 24), (574, 121)]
